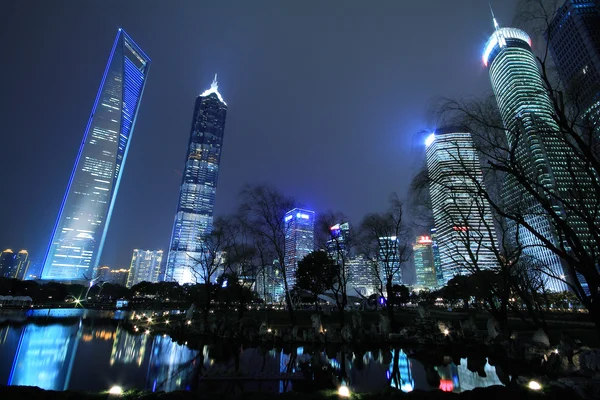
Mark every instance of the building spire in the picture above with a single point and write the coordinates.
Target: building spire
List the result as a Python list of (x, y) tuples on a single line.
[(214, 84), (496, 26)]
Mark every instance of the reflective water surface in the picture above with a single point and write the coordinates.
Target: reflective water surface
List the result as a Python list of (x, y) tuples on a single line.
[(94, 357)]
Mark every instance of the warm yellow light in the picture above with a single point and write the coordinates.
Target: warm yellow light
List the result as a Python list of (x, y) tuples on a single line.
[(147, 331), (167, 321), (116, 390), (446, 332), (343, 391), (533, 385), (149, 319), (189, 322), (269, 330)]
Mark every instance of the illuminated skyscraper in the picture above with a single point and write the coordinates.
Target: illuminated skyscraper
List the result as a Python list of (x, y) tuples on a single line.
[(78, 236), (425, 263), (14, 265), (361, 275), (299, 240), (436, 258), (388, 259), (535, 138), (463, 218), (145, 266), (574, 42), (194, 218)]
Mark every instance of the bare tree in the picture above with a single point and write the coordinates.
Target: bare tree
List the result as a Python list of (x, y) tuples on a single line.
[(385, 243), (263, 210)]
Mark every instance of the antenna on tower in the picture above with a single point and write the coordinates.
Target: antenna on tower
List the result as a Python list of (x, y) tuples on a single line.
[(214, 84), (496, 26)]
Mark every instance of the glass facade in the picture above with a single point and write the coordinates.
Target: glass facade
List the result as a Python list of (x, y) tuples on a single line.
[(424, 263), (194, 218), (78, 236), (388, 259), (145, 266), (464, 228), (299, 240), (539, 149), (14, 265)]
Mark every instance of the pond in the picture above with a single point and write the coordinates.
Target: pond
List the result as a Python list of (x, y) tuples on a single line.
[(93, 356)]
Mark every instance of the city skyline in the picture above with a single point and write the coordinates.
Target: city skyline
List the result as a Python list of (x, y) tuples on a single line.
[(395, 133)]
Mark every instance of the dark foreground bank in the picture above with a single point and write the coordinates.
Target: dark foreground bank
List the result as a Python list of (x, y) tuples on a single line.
[(492, 392)]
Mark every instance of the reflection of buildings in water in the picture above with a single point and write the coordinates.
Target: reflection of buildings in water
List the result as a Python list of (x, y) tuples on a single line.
[(98, 334), (170, 365), (4, 334), (449, 379), (470, 380), (406, 383), (45, 356), (128, 348)]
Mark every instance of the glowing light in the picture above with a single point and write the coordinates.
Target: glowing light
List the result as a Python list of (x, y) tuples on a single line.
[(147, 331), (446, 332), (214, 88), (189, 322), (446, 385), (430, 139), (287, 218), (116, 391), (149, 320), (534, 385), (167, 322), (302, 215), (555, 351), (499, 37), (343, 391), (424, 240), (336, 227)]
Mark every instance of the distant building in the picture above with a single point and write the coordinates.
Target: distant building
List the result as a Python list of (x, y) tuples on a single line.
[(114, 276), (194, 218), (362, 276), (436, 258), (299, 240), (145, 266), (14, 265), (463, 217), (337, 246), (388, 260), (78, 235), (425, 263), (269, 284)]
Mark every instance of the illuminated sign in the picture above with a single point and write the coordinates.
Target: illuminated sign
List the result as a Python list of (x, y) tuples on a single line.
[(424, 240), (287, 218), (460, 228), (303, 216)]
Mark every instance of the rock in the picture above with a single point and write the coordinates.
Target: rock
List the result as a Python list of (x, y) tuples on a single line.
[(384, 324), (346, 334), (492, 328), (540, 338), (316, 323)]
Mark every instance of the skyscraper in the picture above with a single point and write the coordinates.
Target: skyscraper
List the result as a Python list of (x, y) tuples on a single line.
[(388, 259), (463, 220), (424, 263), (361, 274), (145, 266), (14, 265), (78, 236), (194, 218), (299, 240), (574, 41), (539, 149), (436, 258)]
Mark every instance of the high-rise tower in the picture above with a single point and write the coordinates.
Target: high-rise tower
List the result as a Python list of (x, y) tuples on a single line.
[(539, 150), (465, 230), (145, 267), (194, 218), (299, 240), (425, 263), (78, 236), (574, 41)]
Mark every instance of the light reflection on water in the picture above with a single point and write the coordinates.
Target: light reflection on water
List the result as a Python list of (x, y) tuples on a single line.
[(59, 357)]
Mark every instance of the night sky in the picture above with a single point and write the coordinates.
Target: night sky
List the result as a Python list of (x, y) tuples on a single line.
[(326, 101)]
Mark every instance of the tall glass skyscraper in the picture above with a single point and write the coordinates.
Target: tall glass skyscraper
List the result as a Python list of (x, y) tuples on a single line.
[(424, 263), (299, 240), (574, 42), (145, 266), (539, 149), (78, 236), (194, 218), (464, 225)]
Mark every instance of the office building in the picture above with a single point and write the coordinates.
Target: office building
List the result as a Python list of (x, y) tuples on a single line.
[(361, 273), (145, 266), (539, 150), (269, 284), (424, 263), (14, 265), (194, 218), (574, 42), (78, 235), (299, 240), (337, 246), (388, 260), (435, 249), (465, 230)]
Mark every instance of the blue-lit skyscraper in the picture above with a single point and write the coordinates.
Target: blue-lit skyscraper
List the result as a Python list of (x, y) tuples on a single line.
[(78, 236), (194, 218), (299, 240)]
